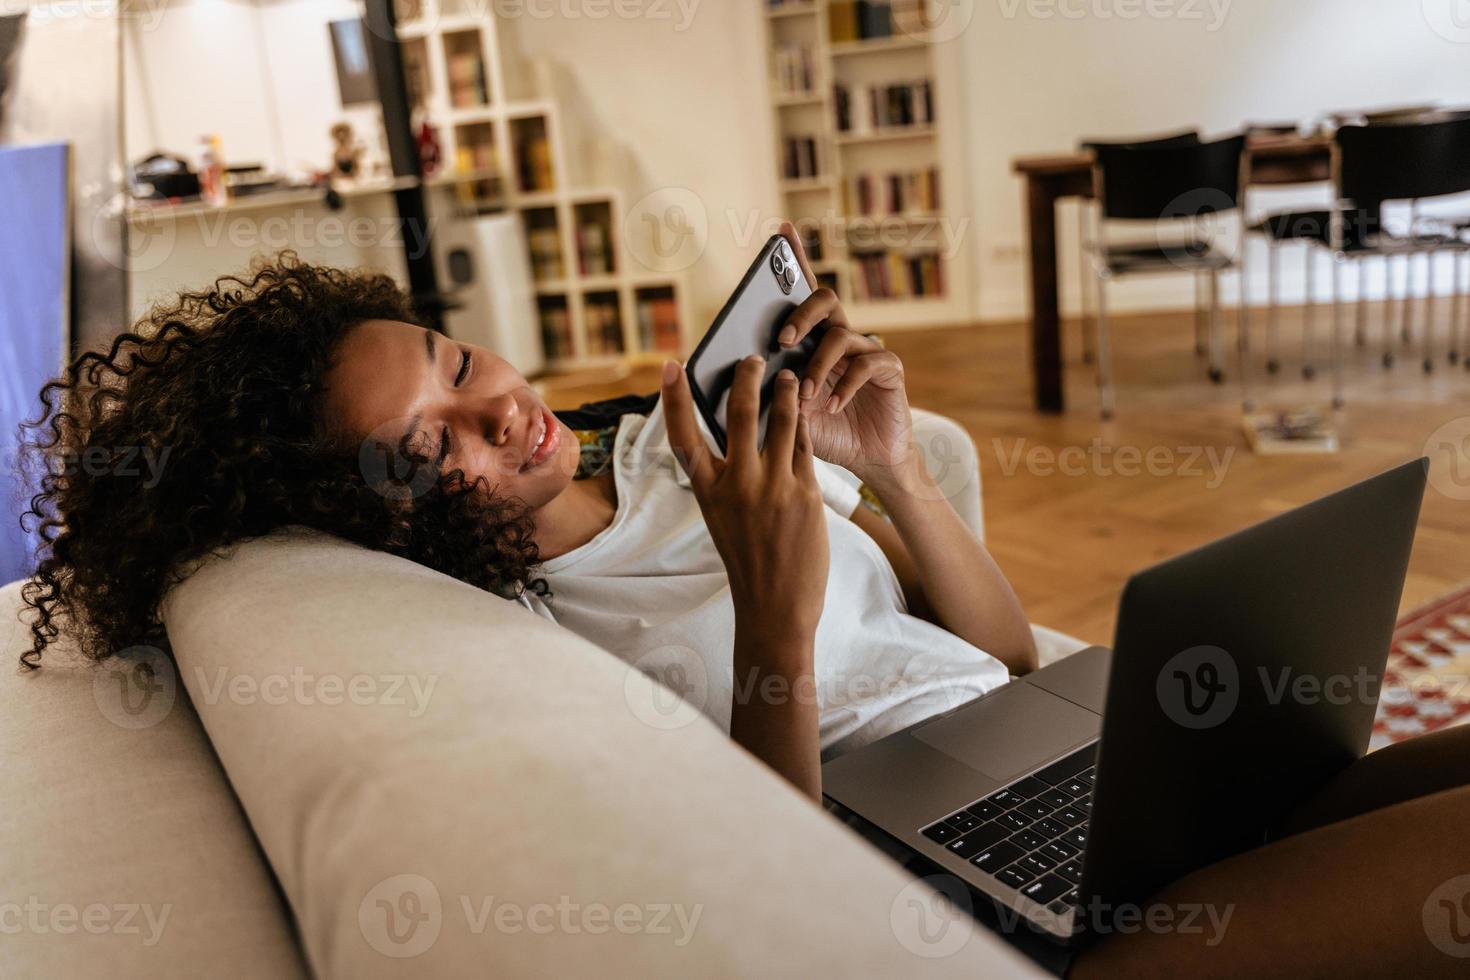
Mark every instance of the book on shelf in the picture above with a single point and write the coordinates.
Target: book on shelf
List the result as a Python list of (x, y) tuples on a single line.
[(556, 331), (658, 323), (796, 68), (466, 73), (593, 252), (545, 246), (895, 275), (873, 20), (799, 157), (873, 195), (604, 326), (861, 108), (533, 162)]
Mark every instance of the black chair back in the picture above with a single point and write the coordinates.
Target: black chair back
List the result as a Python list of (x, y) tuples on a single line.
[(1188, 137), (1403, 162), (1173, 181)]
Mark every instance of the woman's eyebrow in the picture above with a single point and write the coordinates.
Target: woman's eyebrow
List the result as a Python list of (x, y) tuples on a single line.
[(429, 347)]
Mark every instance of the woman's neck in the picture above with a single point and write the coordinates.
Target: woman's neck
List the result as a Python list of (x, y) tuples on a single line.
[(576, 515)]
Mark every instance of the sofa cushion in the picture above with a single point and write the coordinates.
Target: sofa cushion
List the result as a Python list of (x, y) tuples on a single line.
[(447, 785), (123, 852)]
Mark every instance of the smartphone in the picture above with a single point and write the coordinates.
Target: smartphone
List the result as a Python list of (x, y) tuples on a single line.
[(748, 324)]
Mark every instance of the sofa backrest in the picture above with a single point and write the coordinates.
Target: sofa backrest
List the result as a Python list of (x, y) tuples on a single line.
[(447, 785)]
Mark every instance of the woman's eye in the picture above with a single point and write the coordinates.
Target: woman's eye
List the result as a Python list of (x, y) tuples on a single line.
[(464, 368)]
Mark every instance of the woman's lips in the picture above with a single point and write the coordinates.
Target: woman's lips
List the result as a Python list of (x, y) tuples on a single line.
[(549, 442)]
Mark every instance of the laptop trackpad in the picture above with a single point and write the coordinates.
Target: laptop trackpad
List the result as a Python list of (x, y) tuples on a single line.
[(1010, 732)]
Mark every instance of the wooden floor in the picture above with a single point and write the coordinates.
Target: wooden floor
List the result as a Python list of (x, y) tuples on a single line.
[(1069, 542)]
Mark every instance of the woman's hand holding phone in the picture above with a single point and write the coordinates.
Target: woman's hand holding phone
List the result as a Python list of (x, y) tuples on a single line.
[(763, 506), (852, 393), (765, 513)]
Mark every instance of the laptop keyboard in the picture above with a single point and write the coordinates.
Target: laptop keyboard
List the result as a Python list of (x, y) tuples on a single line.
[(1031, 835)]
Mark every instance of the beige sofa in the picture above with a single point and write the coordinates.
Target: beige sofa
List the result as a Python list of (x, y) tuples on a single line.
[(362, 768)]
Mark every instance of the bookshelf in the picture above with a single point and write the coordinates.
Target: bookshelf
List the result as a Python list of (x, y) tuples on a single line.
[(501, 155), (870, 155)]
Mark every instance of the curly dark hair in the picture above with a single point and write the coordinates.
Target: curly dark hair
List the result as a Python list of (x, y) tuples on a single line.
[(222, 389)]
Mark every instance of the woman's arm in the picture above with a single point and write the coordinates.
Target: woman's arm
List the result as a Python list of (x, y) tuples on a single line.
[(947, 575), (764, 511), (853, 397)]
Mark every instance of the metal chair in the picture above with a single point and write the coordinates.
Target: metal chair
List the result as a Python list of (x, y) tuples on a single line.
[(1166, 185), (1087, 231), (1407, 161), (1312, 228)]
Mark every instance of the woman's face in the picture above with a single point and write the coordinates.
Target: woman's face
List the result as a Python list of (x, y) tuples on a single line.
[(456, 402)]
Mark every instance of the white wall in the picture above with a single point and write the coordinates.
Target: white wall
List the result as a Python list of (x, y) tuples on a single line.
[(686, 98), (258, 72)]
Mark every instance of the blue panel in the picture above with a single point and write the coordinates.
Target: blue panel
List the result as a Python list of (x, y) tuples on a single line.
[(33, 316)]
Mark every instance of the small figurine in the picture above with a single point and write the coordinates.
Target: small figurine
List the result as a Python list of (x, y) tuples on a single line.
[(347, 151), (430, 153)]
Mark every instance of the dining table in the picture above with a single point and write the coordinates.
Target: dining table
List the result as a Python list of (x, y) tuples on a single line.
[(1270, 160)]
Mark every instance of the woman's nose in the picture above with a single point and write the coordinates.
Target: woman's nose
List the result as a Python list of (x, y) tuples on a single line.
[(499, 417)]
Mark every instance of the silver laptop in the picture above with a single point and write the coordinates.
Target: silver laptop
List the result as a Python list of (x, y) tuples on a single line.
[(1076, 792)]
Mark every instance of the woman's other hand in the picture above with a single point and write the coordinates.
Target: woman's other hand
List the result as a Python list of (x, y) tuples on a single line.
[(852, 394)]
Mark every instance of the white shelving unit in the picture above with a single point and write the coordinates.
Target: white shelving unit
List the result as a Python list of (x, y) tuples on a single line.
[(823, 201), (500, 155)]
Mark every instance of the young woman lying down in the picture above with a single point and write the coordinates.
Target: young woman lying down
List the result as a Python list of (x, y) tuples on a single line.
[(305, 395)]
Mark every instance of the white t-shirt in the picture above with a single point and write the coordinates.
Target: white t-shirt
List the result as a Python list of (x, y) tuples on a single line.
[(651, 589)]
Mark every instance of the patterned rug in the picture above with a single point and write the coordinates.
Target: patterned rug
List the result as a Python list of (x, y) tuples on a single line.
[(1427, 684)]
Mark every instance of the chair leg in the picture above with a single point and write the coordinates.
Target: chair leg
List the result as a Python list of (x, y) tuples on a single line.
[(1217, 371), (1360, 332), (1431, 308), (1309, 325), (1243, 341), (1104, 352), (1390, 305), (1457, 306), (1273, 304), (1087, 280), (1336, 343), (1462, 284), (1200, 326), (1406, 322)]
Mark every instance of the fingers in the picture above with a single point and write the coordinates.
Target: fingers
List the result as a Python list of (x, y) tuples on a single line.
[(685, 438), (861, 370), (742, 414), (836, 345), (781, 429), (801, 457), (820, 305), (788, 232)]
